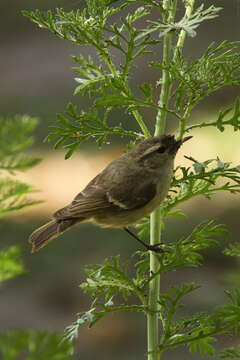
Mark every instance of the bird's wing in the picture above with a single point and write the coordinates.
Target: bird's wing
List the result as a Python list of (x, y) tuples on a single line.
[(94, 198), (136, 196)]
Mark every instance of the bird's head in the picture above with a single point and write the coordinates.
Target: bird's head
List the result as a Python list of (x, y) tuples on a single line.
[(157, 151)]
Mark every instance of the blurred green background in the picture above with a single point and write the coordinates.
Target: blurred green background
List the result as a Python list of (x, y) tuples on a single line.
[(36, 78)]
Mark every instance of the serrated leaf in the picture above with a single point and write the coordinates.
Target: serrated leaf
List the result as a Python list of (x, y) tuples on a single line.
[(177, 213), (232, 250), (230, 353), (15, 134), (221, 121), (10, 263), (113, 100), (39, 345), (90, 83), (19, 162), (14, 195), (202, 345)]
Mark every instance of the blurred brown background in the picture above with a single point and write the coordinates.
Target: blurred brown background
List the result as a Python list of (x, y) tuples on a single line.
[(36, 78)]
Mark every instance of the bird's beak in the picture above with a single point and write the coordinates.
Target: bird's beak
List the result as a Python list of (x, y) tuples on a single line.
[(185, 139), (181, 141), (178, 143)]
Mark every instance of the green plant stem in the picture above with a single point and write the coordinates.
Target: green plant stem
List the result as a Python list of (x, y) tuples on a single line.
[(155, 220), (183, 121), (154, 290), (189, 4), (164, 96), (141, 123)]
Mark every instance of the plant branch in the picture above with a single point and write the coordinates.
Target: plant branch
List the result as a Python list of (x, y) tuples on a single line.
[(155, 221), (215, 331), (189, 4), (181, 39)]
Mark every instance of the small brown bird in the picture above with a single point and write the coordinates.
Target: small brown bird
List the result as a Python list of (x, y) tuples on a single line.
[(129, 188)]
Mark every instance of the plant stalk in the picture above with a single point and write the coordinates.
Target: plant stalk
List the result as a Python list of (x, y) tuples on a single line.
[(181, 39), (155, 221), (189, 5)]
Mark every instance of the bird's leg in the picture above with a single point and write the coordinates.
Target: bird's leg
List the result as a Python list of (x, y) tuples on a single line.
[(156, 248)]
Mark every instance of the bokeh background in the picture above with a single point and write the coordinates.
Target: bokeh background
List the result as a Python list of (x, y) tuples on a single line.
[(36, 79)]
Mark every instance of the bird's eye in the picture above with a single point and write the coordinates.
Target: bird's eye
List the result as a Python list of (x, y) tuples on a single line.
[(161, 150)]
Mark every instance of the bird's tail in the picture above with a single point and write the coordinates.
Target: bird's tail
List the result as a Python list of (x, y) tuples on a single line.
[(43, 235)]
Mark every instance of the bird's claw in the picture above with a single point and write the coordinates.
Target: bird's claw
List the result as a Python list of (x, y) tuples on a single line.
[(156, 248)]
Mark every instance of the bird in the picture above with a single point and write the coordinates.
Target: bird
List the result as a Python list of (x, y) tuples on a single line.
[(129, 188)]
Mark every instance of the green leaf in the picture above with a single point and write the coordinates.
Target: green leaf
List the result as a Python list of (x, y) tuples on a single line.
[(187, 23), (204, 178), (177, 213), (35, 345), (105, 282), (19, 162), (190, 23), (93, 77), (202, 345), (15, 134), (194, 80), (114, 100), (170, 301), (230, 353), (13, 195), (75, 128), (92, 316), (10, 263), (221, 122), (108, 279), (232, 250), (186, 251)]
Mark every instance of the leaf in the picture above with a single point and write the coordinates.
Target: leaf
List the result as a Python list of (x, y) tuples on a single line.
[(13, 195), (147, 90), (232, 250), (75, 128), (202, 345), (105, 282), (19, 162), (204, 178), (92, 316), (10, 263), (188, 23), (186, 251), (15, 134), (221, 122), (114, 100), (230, 353), (93, 77), (108, 279), (177, 213), (35, 345), (195, 79), (170, 301)]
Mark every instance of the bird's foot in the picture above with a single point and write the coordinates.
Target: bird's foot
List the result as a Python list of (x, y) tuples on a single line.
[(157, 248)]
